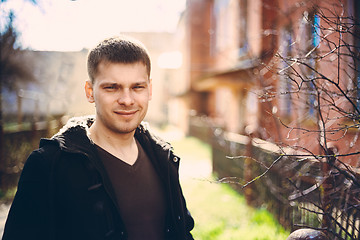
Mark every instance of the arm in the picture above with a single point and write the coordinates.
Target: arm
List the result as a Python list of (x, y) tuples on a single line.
[(189, 222), (29, 214)]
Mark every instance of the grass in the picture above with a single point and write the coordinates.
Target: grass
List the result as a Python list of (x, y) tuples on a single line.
[(219, 211), (7, 196)]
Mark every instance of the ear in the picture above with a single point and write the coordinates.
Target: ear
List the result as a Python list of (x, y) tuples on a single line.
[(150, 89), (89, 91)]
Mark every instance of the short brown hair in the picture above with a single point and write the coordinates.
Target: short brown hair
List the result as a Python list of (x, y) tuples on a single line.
[(118, 49)]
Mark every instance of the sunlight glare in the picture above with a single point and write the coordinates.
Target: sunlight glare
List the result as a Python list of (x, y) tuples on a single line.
[(65, 25)]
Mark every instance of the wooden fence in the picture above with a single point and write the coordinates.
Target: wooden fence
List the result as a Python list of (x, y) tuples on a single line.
[(16, 147)]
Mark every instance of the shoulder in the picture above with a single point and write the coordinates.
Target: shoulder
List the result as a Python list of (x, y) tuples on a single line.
[(161, 148), (154, 138), (41, 159), (148, 139)]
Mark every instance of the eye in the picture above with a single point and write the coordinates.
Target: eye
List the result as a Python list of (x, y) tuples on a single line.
[(139, 87), (110, 87)]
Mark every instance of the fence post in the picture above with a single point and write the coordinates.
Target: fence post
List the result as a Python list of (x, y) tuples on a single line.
[(248, 191), (327, 188)]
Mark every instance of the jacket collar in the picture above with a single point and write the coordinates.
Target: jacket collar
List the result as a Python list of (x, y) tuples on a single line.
[(74, 137)]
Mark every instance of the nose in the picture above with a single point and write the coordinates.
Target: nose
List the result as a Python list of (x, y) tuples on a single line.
[(125, 98)]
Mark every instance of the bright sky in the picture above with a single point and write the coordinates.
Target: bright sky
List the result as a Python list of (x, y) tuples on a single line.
[(67, 25)]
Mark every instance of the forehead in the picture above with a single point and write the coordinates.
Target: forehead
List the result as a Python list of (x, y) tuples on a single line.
[(118, 72), (106, 63)]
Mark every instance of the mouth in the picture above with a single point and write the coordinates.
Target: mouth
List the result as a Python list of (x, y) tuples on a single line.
[(125, 112)]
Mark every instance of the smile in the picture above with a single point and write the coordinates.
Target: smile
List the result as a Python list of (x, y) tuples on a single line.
[(125, 112)]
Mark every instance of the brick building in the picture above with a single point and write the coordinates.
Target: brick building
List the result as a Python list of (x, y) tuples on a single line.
[(284, 71)]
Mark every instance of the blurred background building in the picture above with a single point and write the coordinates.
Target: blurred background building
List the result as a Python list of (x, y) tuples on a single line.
[(220, 63)]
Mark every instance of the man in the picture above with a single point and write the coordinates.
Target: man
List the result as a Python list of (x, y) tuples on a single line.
[(105, 177)]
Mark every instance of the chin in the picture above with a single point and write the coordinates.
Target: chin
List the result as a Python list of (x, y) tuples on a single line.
[(127, 128)]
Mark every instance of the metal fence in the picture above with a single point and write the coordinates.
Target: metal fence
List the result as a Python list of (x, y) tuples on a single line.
[(300, 193)]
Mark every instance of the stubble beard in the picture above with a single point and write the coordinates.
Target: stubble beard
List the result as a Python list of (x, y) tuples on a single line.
[(121, 126)]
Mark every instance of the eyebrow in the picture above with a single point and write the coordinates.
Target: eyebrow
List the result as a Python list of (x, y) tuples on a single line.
[(117, 84), (141, 83)]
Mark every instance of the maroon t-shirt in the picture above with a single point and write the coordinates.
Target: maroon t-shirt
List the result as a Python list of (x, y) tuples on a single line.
[(139, 193)]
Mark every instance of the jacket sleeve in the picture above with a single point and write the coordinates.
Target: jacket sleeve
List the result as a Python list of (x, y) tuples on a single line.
[(189, 220), (28, 217), (190, 223)]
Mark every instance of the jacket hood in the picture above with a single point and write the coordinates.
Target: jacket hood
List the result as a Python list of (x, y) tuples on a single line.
[(73, 136)]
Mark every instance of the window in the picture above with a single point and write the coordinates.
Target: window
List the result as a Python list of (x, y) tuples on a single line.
[(309, 38), (315, 42), (229, 25), (223, 24), (243, 27)]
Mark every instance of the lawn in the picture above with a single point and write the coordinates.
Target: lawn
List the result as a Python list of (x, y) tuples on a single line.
[(220, 213)]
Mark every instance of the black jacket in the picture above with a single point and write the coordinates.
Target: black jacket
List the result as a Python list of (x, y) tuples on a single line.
[(64, 191)]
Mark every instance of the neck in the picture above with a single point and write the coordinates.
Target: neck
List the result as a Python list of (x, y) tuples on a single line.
[(121, 145), (102, 135)]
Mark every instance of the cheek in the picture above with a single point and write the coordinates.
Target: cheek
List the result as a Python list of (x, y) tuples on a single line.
[(103, 98), (145, 99)]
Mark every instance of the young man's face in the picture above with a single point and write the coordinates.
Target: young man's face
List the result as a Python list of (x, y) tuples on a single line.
[(121, 93)]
